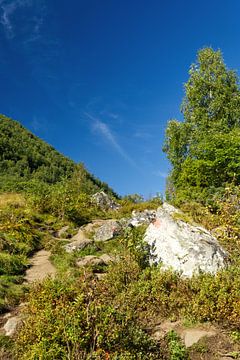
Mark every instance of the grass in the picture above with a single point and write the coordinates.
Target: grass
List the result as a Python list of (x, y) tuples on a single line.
[(12, 199), (11, 291), (177, 349)]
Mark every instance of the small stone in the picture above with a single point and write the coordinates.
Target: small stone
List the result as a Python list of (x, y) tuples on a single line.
[(11, 325), (77, 245), (62, 231), (78, 242), (90, 260), (107, 259)]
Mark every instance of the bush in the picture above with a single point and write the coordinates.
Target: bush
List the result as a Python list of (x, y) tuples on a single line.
[(67, 320)]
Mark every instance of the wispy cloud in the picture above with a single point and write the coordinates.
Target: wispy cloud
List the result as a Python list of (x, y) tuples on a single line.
[(9, 23), (161, 174), (104, 130), (7, 11)]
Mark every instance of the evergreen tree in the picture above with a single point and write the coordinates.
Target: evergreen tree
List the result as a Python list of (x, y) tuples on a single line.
[(204, 149)]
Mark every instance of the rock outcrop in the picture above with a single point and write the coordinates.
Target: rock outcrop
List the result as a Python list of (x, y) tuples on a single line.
[(78, 242), (104, 201), (108, 230), (183, 247)]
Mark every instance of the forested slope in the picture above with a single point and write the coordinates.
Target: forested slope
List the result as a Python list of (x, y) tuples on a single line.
[(25, 157)]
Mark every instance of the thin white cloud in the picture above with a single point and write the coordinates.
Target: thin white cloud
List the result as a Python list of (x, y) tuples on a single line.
[(8, 9), (103, 129), (161, 174)]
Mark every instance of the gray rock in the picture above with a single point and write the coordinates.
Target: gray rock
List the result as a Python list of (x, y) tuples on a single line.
[(142, 217), (183, 247), (90, 260), (62, 232), (107, 259), (104, 201), (79, 242), (77, 245), (192, 336), (108, 230), (12, 325), (87, 260)]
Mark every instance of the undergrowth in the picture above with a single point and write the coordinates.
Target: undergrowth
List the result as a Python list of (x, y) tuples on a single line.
[(77, 316)]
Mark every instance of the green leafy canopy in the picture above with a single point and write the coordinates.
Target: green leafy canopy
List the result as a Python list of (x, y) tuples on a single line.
[(204, 148)]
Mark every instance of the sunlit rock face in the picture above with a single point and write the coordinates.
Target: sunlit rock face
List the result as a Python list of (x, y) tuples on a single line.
[(183, 247)]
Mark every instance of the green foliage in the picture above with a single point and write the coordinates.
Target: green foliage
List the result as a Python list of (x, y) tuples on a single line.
[(11, 291), (153, 293), (138, 248), (67, 319), (23, 154), (12, 264), (79, 316), (235, 335), (216, 298), (19, 237), (6, 345), (204, 148), (177, 350), (65, 201)]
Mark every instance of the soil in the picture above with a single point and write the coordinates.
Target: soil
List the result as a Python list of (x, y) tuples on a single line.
[(41, 267)]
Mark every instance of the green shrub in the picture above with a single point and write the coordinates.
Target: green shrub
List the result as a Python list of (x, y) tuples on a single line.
[(11, 291), (176, 348), (67, 320), (12, 264)]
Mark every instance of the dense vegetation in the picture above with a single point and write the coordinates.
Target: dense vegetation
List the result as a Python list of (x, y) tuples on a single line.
[(81, 315), (204, 149)]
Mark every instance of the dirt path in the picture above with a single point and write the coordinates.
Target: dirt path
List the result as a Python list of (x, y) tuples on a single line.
[(41, 267)]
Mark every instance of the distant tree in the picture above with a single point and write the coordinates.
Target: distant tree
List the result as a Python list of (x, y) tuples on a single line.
[(204, 149)]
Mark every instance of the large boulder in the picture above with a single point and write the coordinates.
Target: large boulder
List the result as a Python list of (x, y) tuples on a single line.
[(183, 247), (108, 230), (104, 201)]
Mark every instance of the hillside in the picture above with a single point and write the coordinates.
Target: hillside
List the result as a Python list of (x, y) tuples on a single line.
[(25, 157), (137, 280)]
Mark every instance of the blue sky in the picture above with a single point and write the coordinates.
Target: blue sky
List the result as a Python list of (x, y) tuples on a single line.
[(99, 79)]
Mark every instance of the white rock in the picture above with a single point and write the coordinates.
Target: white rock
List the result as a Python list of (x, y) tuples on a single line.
[(183, 247)]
